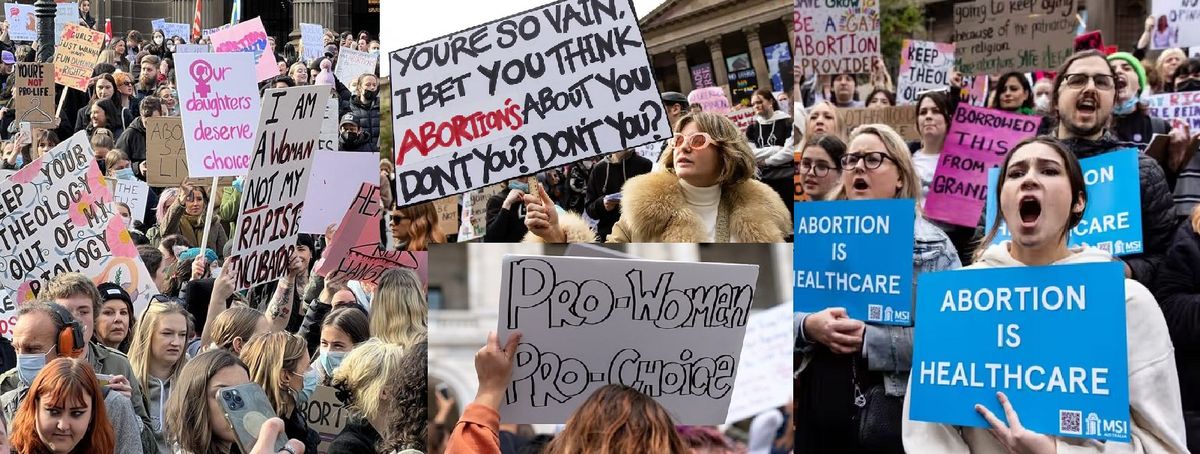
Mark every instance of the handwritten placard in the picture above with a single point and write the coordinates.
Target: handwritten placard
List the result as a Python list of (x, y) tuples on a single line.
[(273, 199), (133, 193), (177, 29), (447, 212), (355, 252), (22, 24), (764, 378), (741, 117), (903, 119), (1176, 24), (521, 95), (712, 99), (836, 37), (977, 140), (1019, 330), (76, 56), (248, 36), (310, 41), (219, 103), (994, 37), (325, 414), (654, 326), (353, 63), (1178, 108), (33, 94), (924, 65)]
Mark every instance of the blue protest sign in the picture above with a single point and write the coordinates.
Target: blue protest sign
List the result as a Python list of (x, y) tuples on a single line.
[(856, 255), (1112, 221), (1052, 338)]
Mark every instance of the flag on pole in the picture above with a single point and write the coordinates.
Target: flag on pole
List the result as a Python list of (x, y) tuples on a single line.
[(108, 28), (235, 14), (196, 30)]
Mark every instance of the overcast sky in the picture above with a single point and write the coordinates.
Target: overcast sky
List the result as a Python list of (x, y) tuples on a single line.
[(406, 23)]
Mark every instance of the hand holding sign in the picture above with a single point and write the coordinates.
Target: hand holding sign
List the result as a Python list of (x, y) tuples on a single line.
[(542, 218), (494, 367), (1014, 437), (835, 329)]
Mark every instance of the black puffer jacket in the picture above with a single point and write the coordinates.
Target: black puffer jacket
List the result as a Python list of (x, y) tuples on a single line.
[(1177, 290), (367, 116)]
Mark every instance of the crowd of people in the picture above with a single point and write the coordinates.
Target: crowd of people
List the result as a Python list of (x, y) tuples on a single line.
[(1093, 104)]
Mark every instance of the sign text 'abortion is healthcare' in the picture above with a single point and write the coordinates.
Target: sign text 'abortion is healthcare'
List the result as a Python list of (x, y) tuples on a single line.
[(218, 100)]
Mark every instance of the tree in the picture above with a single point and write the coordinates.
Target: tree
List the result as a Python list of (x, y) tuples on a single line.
[(898, 20)]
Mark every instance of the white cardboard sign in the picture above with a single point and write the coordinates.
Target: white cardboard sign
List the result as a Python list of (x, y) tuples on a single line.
[(219, 103)]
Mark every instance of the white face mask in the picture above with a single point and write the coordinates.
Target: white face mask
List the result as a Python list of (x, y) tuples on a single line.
[(128, 223), (158, 41), (1042, 102)]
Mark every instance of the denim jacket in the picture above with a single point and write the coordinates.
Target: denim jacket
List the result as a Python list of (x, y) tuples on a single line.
[(888, 349)]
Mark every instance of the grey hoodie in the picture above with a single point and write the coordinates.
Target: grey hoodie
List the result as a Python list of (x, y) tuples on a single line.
[(1155, 406)]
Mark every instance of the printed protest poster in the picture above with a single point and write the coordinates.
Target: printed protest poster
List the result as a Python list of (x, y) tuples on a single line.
[(539, 89), (901, 118), (764, 378), (133, 193), (742, 79), (248, 36), (836, 39), (741, 117), (310, 41), (329, 127), (977, 140), (76, 56), (996, 37), (219, 103), (862, 258), (1019, 330), (924, 65), (325, 414), (336, 177), (711, 99), (33, 96), (57, 216), (1178, 108), (974, 90), (702, 76), (353, 63), (355, 252), (22, 23), (1112, 221), (1176, 24), (779, 67), (274, 189), (447, 213), (679, 333)]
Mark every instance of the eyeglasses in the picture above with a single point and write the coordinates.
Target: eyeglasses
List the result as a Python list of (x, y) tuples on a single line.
[(1079, 80), (818, 168), (871, 160), (693, 141)]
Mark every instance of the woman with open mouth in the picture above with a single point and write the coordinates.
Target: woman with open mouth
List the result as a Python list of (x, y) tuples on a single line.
[(705, 192), (823, 120), (848, 364), (1042, 196), (820, 166)]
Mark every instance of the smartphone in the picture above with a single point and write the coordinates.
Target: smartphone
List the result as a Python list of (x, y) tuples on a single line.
[(246, 408), (104, 379), (443, 390)]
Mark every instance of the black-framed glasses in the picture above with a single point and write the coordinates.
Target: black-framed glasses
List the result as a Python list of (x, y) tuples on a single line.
[(871, 159), (818, 168), (1080, 80)]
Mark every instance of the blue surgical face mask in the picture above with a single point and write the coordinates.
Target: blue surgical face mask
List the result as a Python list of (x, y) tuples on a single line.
[(523, 187), (28, 366), (310, 385), (1126, 107), (124, 174), (20, 161), (331, 360)]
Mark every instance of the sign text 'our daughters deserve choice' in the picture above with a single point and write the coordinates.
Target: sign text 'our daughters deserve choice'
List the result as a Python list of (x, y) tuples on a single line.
[(219, 105), (546, 87)]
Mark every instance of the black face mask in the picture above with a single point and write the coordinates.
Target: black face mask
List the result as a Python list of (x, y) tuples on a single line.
[(1188, 85), (370, 95), (351, 139)]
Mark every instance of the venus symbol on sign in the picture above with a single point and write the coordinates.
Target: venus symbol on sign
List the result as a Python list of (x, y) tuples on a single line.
[(202, 72)]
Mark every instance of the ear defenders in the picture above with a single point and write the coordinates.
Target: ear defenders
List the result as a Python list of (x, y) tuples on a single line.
[(70, 341)]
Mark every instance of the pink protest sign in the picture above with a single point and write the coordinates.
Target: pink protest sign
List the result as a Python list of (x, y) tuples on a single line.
[(712, 99), (248, 36), (218, 100), (354, 253), (977, 141)]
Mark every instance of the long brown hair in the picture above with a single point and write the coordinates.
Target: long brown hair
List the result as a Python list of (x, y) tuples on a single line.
[(186, 411), (268, 356), (618, 419), (63, 381), (423, 227)]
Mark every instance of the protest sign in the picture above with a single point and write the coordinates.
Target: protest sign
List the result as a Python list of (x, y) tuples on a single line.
[(671, 330), (473, 220), (1112, 220), (208, 32), (741, 117), (57, 217), (1176, 24), (650, 151), (325, 414), (191, 48), (447, 213), (742, 79), (1019, 330), (901, 118), (65, 13), (22, 24), (355, 252), (539, 89), (219, 103), (974, 90), (248, 36), (274, 189), (764, 378), (868, 266), (836, 39), (329, 126), (977, 140), (157, 24), (176, 29), (995, 37), (352, 63), (702, 76), (779, 67), (712, 99), (310, 41), (166, 159), (33, 96), (133, 193), (336, 177), (76, 56), (924, 65), (1178, 108)]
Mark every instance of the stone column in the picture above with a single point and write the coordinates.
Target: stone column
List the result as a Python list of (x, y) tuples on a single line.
[(681, 66), (757, 58), (718, 61)]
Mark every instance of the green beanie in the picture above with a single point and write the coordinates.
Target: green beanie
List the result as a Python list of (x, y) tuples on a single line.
[(1137, 67)]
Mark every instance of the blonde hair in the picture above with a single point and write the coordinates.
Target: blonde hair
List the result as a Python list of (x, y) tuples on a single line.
[(737, 160), (140, 349), (837, 130), (267, 355), (1162, 60), (366, 371), (399, 309), (897, 150), (235, 322)]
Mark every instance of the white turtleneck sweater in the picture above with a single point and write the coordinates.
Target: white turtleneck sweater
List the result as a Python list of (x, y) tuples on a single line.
[(704, 202)]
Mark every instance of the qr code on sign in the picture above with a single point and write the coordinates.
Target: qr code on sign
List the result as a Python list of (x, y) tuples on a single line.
[(874, 312), (1070, 422)]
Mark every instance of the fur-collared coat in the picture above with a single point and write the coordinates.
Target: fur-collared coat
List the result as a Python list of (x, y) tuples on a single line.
[(653, 210)]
